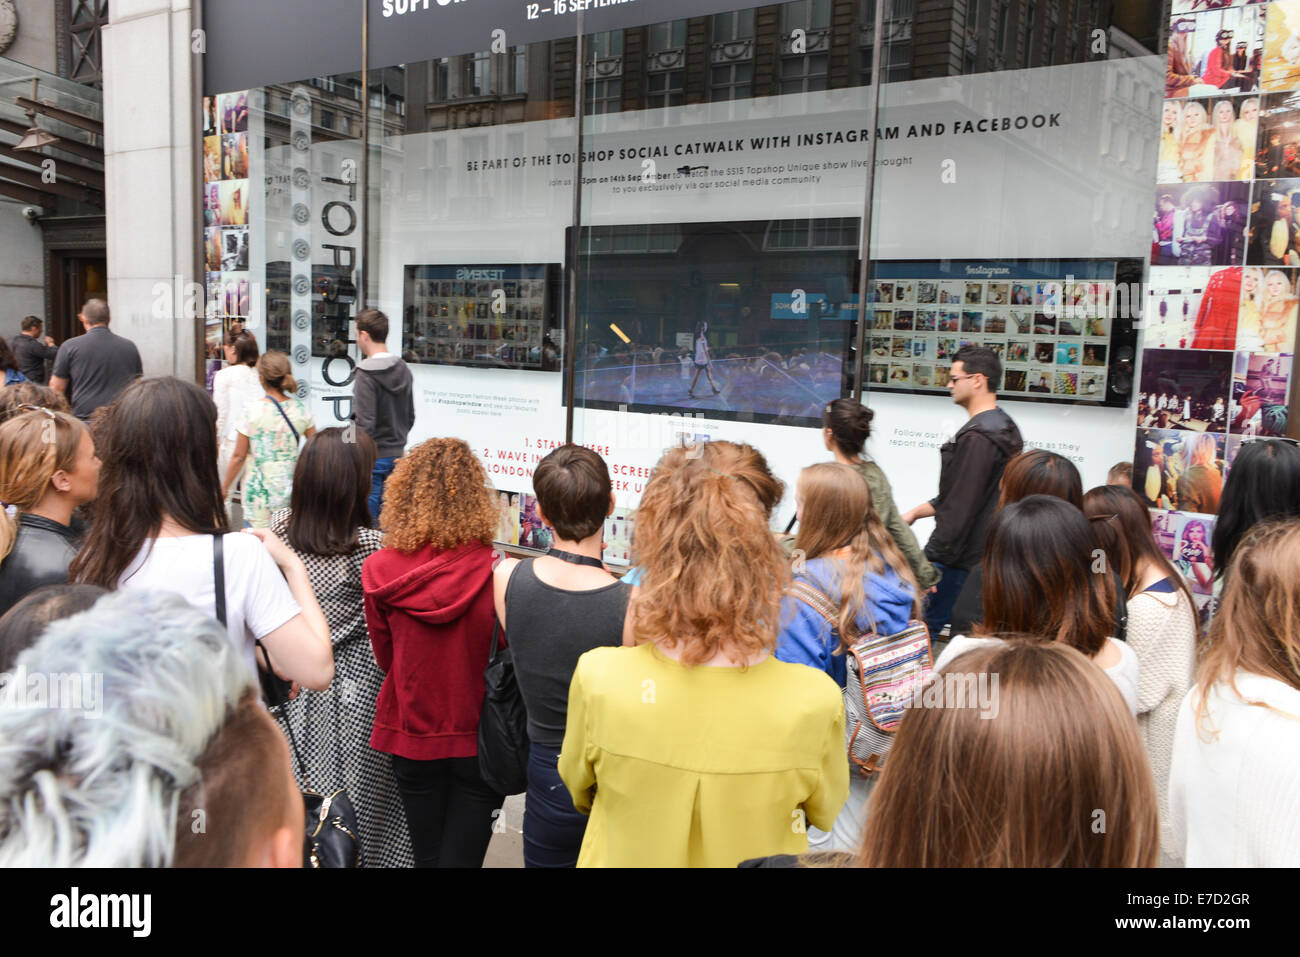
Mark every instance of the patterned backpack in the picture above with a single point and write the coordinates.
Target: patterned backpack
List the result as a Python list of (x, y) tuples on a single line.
[(884, 673)]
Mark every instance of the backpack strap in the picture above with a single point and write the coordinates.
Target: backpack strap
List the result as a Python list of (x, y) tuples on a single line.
[(820, 602)]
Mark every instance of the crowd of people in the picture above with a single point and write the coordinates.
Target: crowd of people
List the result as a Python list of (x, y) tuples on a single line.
[(692, 713)]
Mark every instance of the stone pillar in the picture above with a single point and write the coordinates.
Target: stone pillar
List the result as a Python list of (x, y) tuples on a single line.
[(152, 176)]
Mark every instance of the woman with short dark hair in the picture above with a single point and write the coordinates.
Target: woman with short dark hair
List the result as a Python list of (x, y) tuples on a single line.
[(846, 427), (327, 525), (538, 602), (1040, 581)]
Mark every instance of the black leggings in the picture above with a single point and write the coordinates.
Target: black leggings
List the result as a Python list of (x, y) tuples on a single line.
[(448, 810)]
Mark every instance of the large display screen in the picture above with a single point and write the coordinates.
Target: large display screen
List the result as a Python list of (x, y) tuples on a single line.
[(499, 316), (1063, 329), (748, 320)]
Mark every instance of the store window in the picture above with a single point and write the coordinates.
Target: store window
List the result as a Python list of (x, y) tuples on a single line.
[(665, 64), (725, 249), (604, 72), (477, 78), (731, 55), (805, 45)]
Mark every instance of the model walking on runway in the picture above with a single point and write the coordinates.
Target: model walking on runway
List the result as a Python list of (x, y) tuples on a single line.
[(703, 361)]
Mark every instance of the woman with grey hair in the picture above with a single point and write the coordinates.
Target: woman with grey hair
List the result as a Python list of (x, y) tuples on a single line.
[(182, 765)]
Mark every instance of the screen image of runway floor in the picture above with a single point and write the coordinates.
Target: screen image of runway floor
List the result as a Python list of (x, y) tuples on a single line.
[(762, 385)]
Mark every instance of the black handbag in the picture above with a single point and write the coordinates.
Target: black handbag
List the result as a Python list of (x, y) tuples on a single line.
[(502, 724), (331, 821)]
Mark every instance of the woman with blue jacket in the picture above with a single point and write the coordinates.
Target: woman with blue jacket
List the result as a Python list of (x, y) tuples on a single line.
[(843, 552)]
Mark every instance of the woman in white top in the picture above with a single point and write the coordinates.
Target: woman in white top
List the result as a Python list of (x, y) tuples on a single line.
[(1234, 784), (159, 511), (232, 388), (1162, 626), (1040, 583)]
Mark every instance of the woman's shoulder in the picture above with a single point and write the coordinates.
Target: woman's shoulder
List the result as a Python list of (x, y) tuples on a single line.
[(280, 522), (1275, 693), (802, 687), (611, 661)]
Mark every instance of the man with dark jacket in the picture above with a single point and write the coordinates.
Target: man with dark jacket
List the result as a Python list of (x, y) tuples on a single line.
[(971, 465), (383, 400), (31, 349)]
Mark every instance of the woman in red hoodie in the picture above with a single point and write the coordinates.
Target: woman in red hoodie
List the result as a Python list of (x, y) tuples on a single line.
[(428, 596)]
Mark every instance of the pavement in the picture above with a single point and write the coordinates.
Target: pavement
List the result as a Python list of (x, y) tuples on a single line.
[(507, 846)]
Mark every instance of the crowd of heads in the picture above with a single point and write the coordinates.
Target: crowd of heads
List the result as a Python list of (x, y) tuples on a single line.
[(183, 733)]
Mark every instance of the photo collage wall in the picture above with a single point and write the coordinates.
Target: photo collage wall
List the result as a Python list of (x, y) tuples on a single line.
[(1224, 285), (226, 215), (1052, 337)]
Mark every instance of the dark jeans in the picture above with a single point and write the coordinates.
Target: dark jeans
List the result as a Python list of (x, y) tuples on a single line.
[(378, 476), (938, 607), (553, 829), (448, 810)]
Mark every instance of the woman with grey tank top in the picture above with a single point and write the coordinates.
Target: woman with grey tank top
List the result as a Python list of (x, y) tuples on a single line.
[(555, 609)]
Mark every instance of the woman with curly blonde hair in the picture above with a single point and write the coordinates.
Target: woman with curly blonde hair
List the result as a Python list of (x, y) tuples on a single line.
[(428, 600), (698, 747)]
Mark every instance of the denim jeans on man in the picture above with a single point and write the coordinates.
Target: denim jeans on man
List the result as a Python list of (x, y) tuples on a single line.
[(553, 828), (938, 606), (378, 477)]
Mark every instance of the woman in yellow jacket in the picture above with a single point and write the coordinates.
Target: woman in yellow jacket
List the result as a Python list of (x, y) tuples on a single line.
[(696, 747)]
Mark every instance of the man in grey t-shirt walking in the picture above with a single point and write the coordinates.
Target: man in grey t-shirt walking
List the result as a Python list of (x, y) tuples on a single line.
[(93, 369)]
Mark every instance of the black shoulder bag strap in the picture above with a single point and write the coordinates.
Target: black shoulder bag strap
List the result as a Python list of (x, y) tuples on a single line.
[(219, 577), (219, 584), (279, 408)]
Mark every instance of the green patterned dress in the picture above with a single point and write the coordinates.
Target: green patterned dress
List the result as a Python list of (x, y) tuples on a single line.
[(272, 455)]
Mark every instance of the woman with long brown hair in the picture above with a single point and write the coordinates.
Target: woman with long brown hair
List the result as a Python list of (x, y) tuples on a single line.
[(846, 561), (269, 430), (1042, 578), (1052, 774), (666, 740), (1234, 779), (48, 468), (1161, 621), (328, 526), (845, 553), (429, 610), (156, 519)]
